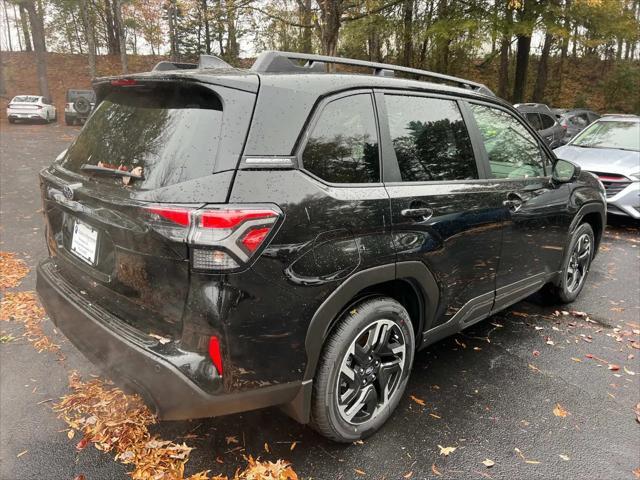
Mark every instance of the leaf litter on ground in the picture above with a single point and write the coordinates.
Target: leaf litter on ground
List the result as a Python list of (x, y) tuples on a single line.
[(12, 270), (24, 307), (116, 422)]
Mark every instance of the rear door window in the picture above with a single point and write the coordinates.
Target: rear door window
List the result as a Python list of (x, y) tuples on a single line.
[(168, 134), (430, 139), (547, 121), (343, 145), (534, 119)]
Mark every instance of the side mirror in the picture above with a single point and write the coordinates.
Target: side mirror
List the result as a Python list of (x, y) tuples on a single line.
[(564, 171)]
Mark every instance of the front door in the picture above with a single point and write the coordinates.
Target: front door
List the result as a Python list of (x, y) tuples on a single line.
[(536, 220), (443, 212)]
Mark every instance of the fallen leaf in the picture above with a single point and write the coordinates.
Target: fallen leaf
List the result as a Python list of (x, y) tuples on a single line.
[(82, 444), (532, 462), (636, 472), (564, 457), (520, 314), (12, 270), (266, 447), (446, 451), (359, 472), (408, 474), (576, 359), (488, 463), (21, 453), (435, 416), (614, 367), (293, 445), (558, 411), (419, 401), (435, 470), (536, 353), (231, 439), (80, 477), (70, 434)]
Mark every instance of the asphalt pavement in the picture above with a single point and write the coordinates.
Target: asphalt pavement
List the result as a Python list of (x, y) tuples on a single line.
[(490, 391)]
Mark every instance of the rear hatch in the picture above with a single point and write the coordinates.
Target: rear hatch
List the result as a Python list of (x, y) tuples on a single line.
[(150, 144), (25, 104)]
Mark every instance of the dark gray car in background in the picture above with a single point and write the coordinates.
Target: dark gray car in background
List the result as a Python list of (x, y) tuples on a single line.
[(574, 121), (542, 119)]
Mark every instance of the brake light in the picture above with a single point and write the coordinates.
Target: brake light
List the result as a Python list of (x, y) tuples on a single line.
[(123, 82), (220, 239), (215, 354)]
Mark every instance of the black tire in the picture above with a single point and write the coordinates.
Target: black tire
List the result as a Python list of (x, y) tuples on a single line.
[(12, 120), (361, 319), (566, 290)]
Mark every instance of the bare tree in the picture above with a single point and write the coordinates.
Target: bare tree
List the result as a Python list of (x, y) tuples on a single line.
[(39, 45), (117, 10), (89, 32)]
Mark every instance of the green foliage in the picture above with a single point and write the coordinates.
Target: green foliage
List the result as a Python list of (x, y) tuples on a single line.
[(622, 87)]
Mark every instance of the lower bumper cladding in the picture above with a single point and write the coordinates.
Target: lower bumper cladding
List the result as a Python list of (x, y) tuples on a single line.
[(171, 393)]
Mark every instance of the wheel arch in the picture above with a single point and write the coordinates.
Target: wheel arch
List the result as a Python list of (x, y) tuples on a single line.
[(411, 283), (595, 215)]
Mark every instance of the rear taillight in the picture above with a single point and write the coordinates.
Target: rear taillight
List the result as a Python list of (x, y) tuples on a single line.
[(124, 82), (215, 354), (219, 239)]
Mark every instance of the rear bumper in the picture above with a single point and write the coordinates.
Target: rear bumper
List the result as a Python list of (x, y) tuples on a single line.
[(25, 115), (133, 365)]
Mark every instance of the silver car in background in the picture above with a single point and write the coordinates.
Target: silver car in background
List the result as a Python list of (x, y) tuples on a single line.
[(610, 149)]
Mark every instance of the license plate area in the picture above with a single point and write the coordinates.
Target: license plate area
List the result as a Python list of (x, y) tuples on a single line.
[(84, 242)]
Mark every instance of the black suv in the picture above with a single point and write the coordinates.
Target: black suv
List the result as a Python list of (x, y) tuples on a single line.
[(224, 240)]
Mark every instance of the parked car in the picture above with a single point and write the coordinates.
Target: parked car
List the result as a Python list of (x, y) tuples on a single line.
[(543, 121), (558, 112), (223, 240), (574, 121), (79, 105), (31, 107), (610, 148)]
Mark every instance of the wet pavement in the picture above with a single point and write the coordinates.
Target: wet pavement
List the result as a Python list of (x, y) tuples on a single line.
[(490, 391)]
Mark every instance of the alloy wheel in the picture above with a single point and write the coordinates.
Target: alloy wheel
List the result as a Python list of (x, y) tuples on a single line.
[(578, 263), (370, 371)]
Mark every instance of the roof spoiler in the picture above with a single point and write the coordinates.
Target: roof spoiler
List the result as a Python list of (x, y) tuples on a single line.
[(281, 62)]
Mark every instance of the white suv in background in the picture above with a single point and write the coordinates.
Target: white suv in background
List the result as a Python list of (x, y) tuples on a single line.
[(31, 107)]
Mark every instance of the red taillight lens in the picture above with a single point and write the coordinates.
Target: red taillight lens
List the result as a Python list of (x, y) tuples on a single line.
[(176, 215), (123, 82), (215, 354), (231, 218), (221, 239)]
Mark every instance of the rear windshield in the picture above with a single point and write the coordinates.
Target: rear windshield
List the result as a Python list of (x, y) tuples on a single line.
[(611, 134), (166, 134), (25, 99)]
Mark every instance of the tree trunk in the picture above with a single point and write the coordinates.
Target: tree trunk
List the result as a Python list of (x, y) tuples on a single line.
[(174, 54), (15, 23), (3, 85), (522, 65), (330, 22), (503, 73), (39, 46), (407, 33), (207, 27), (233, 49), (25, 28), (117, 11), (90, 36), (543, 70), (113, 45), (306, 19), (77, 32), (6, 18)]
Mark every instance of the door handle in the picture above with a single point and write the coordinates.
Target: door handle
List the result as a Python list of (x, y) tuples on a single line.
[(513, 202), (423, 213)]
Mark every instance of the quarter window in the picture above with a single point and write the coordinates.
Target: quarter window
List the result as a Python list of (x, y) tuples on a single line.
[(430, 139), (534, 119), (513, 152), (343, 146), (547, 121)]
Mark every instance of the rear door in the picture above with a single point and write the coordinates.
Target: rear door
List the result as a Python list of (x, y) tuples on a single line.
[(534, 208), (444, 213), (120, 237)]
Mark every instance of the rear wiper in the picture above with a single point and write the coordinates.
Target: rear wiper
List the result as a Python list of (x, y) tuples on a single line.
[(110, 171)]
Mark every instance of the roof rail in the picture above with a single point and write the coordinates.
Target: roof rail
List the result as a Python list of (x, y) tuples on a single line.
[(275, 61), (206, 61)]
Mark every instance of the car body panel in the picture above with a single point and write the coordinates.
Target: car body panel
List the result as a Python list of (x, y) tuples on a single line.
[(34, 107)]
